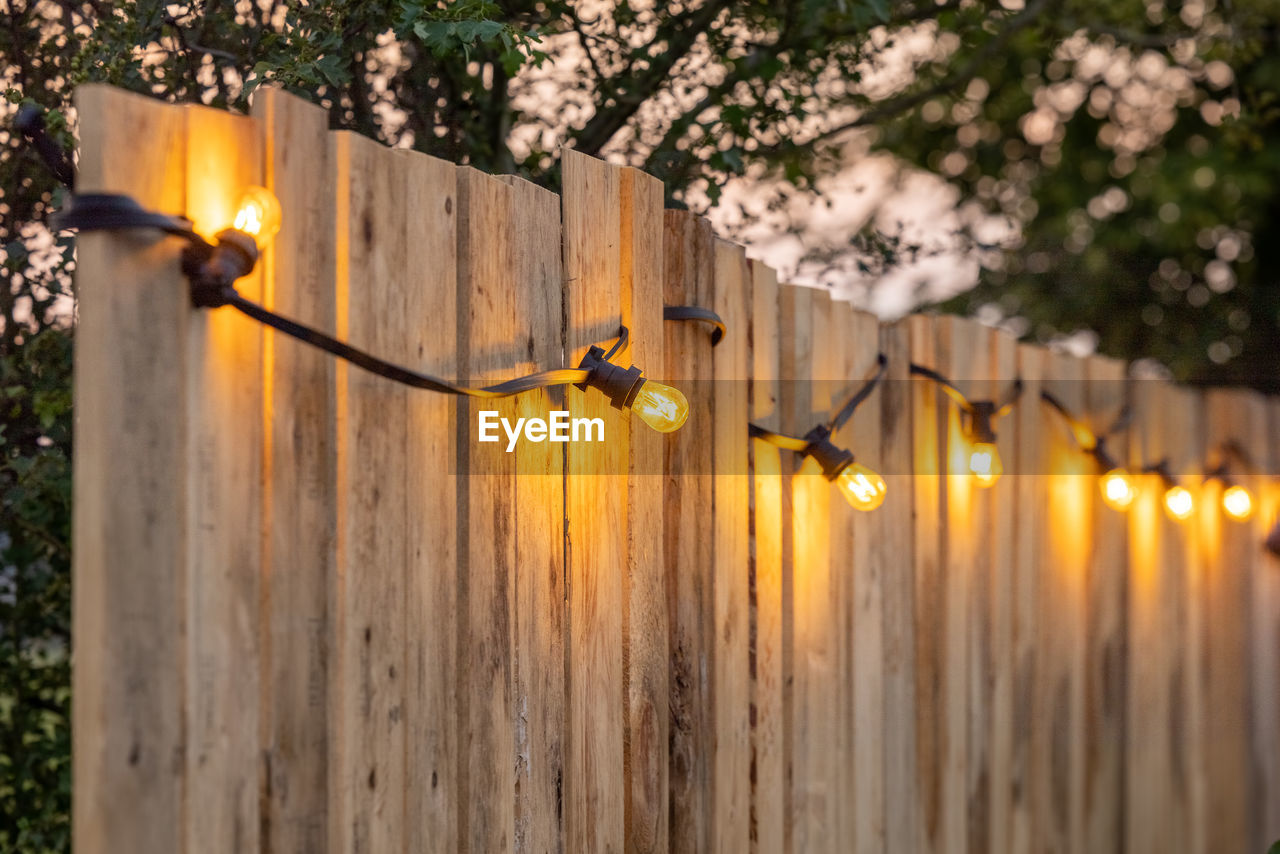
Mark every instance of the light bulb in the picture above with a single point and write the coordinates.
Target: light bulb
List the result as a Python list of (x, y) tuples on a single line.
[(258, 215), (861, 487), (1238, 503), (1178, 503), (984, 462), (660, 406), (1117, 489)]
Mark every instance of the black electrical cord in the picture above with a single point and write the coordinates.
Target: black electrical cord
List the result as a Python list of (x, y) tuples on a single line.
[(213, 267), (795, 443), (1098, 449), (694, 312), (997, 409)]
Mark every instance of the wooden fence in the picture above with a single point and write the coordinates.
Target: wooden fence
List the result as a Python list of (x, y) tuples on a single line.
[(303, 623)]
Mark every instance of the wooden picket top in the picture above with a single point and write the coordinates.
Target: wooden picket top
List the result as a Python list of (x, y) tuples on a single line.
[(314, 613)]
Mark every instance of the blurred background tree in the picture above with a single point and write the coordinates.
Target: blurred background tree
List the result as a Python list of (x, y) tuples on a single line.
[(1112, 171)]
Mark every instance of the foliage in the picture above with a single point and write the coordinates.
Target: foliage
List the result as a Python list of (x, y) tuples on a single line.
[(1128, 151)]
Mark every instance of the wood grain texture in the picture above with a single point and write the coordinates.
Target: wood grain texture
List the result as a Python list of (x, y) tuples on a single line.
[(299, 478), (490, 338), (815, 690), (596, 497), (866, 570), (730, 626), (535, 287), (1105, 653), (1265, 663), (1228, 556), (689, 262), (370, 609), (647, 625), (129, 565), (1029, 429), (225, 427), (431, 578), (768, 758), (893, 551), (928, 414), (1057, 731)]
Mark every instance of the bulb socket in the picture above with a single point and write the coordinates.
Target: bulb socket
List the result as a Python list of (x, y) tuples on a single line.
[(981, 415), (212, 269), (620, 385), (832, 458)]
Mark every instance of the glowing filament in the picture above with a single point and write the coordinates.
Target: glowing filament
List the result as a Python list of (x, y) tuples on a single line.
[(660, 406), (984, 463), (861, 487), (1117, 489), (1178, 503), (1237, 503), (258, 215)]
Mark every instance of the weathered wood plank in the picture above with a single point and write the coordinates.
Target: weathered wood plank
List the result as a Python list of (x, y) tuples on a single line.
[(1004, 517), (224, 538), (1228, 553), (372, 282), (491, 340), (1028, 538), (961, 356), (1265, 658), (815, 690), (1057, 730), (894, 551), (928, 418), (647, 629), (688, 252), (535, 285), (866, 568), (129, 566), (1105, 652), (595, 508), (431, 576), (768, 756), (300, 478), (730, 626)]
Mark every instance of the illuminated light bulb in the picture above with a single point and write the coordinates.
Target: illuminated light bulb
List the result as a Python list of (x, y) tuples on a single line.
[(984, 462), (258, 215), (1117, 489), (1238, 503), (1178, 503), (660, 406), (861, 487)]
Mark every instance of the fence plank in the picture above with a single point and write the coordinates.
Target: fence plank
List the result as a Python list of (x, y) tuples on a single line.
[(372, 281), (961, 356), (647, 628), (536, 291), (688, 253), (490, 334), (895, 555), (1004, 514), (768, 757), (431, 653), (1105, 652), (1058, 703), (129, 566), (1227, 551), (300, 480), (867, 571), (224, 528), (928, 411), (731, 615), (1265, 641), (815, 691), (595, 502)]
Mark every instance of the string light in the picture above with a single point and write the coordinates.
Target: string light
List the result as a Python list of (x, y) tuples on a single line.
[(213, 268), (979, 424), (1179, 503), (1117, 487), (1236, 500), (861, 487)]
